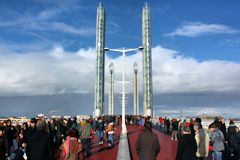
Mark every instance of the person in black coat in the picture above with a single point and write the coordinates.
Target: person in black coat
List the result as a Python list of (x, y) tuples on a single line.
[(10, 133), (19, 153), (233, 141), (3, 144), (187, 146), (39, 144), (167, 123), (175, 124), (238, 140), (223, 127), (29, 130), (147, 145)]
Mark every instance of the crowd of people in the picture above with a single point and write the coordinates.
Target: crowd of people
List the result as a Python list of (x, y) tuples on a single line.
[(70, 139), (48, 139), (217, 142)]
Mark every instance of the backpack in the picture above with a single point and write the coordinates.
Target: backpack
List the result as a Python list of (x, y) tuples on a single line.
[(101, 126)]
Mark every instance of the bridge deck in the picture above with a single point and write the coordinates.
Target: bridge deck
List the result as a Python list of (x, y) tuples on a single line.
[(168, 148), (101, 152)]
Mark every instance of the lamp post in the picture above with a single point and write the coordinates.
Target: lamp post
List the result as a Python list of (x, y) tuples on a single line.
[(123, 51)]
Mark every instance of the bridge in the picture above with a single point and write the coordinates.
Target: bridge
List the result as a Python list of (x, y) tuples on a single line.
[(168, 148)]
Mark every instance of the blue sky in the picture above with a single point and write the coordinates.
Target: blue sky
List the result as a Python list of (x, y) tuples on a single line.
[(47, 48), (72, 25)]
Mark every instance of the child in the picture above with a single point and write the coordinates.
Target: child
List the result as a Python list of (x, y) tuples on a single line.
[(110, 131)]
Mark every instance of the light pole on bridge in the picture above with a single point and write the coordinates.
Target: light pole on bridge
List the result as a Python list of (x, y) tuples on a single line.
[(123, 51)]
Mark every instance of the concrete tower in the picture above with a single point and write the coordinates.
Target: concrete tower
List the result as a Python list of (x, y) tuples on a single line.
[(147, 61), (135, 90), (111, 90), (100, 44)]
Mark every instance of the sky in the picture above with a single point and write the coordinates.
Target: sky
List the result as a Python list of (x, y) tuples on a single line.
[(48, 57)]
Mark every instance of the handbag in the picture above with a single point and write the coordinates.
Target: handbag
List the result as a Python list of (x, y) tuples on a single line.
[(210, 147)]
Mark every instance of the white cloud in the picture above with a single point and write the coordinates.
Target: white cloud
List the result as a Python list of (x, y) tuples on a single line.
[(194, 29), (85, 31), (176, 73), (213, 111), (57, 71), (231, 42)]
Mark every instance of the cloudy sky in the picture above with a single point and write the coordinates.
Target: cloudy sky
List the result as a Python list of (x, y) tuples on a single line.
[(47, 55)]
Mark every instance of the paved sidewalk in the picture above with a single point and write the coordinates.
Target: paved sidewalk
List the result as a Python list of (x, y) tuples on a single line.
[(124, 151), (168, 148), (102, 152), (124, 146)]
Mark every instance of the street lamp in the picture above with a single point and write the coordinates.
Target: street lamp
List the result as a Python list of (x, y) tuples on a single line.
[(123, 51)]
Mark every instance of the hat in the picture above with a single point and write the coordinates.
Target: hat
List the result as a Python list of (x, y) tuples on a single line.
[(33, 120)]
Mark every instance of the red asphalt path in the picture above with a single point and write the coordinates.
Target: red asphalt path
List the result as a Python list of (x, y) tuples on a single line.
[(101, 152), (168, 148)]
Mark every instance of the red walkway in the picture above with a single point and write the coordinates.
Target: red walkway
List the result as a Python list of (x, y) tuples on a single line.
[(101, 152), (168, 147)]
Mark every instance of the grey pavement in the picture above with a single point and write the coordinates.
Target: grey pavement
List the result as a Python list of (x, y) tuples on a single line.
[(123, 148)]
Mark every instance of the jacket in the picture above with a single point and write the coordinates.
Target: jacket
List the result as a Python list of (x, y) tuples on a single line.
[(202, 140), (147, 145), (74, 149), (39, 146), (3, 147), (85, 131), (187, 148), (217, 139)]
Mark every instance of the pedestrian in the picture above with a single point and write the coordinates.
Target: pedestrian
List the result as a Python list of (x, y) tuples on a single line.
[(69, 124), (174, 129), (167, 124), (233, 141), (71, 149), (28, 131), (53, 132), (100, 130), (187, 146), (11, 134), (60, 132), (19, 153), (85, 134), (32, 127), (74, 123), (202, 140), (39, 144), (4, 153), (238, 139), (223, 128), (217, 141), (147, 145), (191, 125), (110, 131)]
